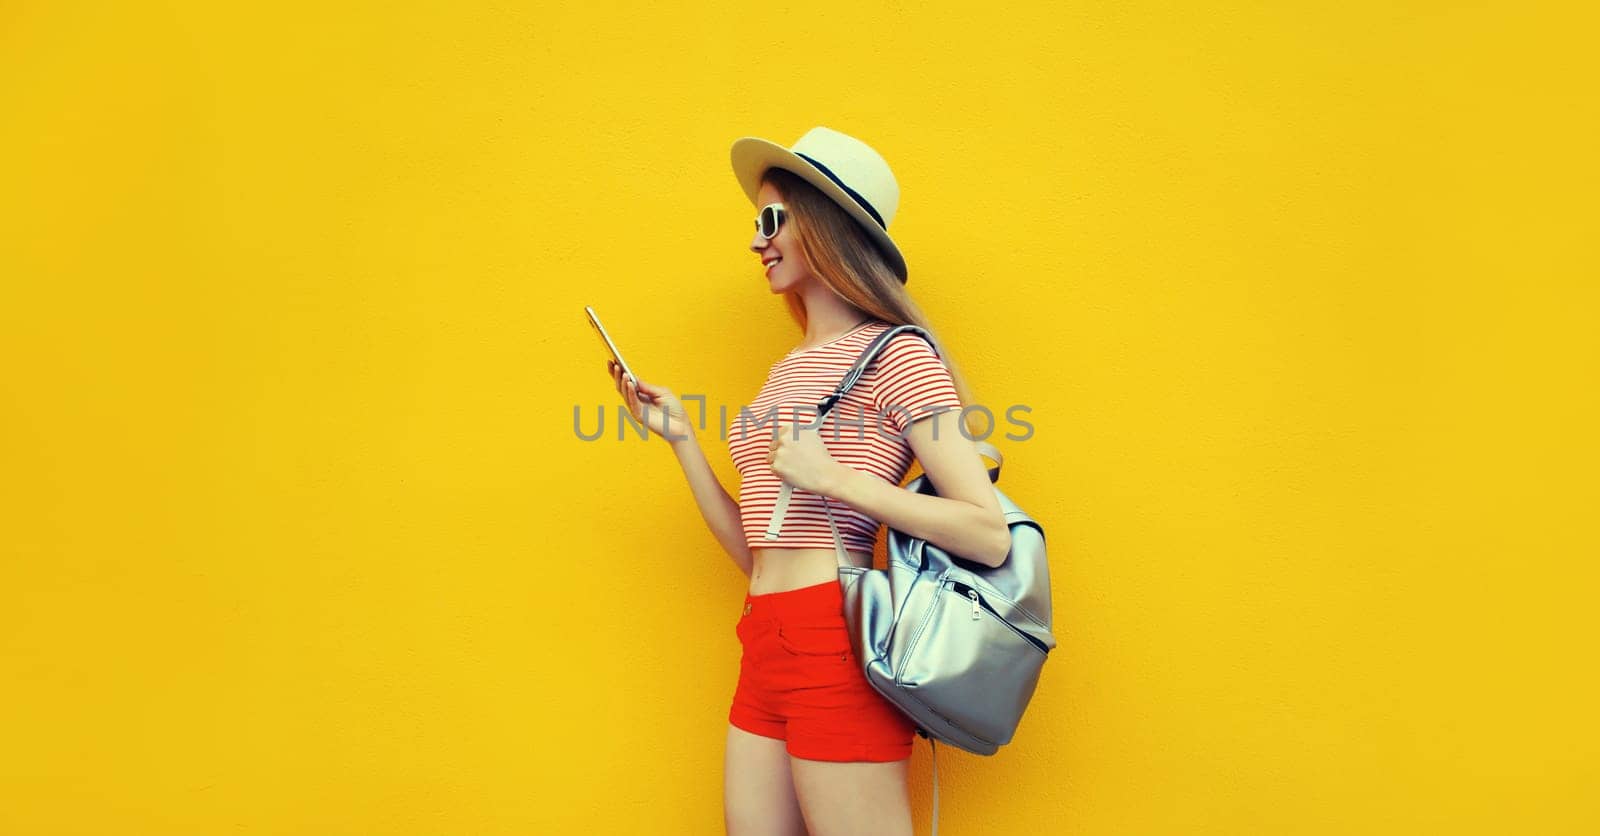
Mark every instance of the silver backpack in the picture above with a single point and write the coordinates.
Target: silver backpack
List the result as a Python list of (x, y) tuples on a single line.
[(956, 645)]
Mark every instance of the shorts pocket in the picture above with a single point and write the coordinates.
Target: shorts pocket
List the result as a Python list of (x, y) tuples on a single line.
[(815, 638)]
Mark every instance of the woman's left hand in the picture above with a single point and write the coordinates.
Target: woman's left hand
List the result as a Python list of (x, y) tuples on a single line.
[(801, 460)]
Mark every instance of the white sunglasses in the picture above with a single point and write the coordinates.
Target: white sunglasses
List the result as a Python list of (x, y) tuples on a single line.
[(769, 220)]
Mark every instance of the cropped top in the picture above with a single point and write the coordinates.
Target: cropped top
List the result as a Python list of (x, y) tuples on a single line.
[(906, 383)]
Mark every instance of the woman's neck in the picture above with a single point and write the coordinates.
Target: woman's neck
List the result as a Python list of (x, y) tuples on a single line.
[(819, 332)]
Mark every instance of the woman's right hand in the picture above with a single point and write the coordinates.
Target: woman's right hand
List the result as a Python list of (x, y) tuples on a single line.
[(667, 418)]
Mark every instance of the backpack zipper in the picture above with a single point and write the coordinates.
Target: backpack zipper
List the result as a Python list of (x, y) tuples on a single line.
[(978, 602)]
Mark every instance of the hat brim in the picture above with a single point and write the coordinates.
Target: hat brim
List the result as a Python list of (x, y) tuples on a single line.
[(752, 156)]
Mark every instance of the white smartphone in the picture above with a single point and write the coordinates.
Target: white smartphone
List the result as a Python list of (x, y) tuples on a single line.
[(611, 347)]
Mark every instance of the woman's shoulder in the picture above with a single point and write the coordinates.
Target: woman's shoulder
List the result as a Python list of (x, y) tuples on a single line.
[(908, 344)]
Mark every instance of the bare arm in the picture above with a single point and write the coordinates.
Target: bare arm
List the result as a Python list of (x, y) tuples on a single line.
[(659, 409), (719, 510)]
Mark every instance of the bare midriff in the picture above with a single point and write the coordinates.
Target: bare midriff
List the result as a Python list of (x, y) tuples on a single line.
[(780, 570)]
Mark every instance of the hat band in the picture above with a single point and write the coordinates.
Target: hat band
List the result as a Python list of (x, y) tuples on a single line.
[(861, 201)]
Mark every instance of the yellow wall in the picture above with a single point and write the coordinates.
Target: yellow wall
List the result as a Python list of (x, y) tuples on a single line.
[(296, 535)]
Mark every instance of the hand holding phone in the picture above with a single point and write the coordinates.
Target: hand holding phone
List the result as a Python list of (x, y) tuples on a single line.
[(651, 404)]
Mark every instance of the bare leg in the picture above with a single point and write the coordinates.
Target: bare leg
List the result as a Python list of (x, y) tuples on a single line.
[(848, 798), (758, 795)]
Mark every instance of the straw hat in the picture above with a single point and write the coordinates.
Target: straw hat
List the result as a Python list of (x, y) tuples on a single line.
[(841, 167)]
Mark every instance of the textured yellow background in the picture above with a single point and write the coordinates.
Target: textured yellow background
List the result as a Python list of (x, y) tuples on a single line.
[(296, 535)]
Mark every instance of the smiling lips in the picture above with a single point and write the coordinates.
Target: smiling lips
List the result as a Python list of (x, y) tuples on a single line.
[(769, 264)]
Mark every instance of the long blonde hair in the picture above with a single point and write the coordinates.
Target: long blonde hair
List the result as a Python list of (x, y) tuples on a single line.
[(845, 259)]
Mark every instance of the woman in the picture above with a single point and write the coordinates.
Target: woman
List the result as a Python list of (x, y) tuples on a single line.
[(811, 747)]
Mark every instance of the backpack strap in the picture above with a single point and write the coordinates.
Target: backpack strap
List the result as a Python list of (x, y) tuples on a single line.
[(993, 453)]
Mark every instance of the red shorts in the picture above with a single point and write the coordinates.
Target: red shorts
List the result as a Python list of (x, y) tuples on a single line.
[(799, 681)]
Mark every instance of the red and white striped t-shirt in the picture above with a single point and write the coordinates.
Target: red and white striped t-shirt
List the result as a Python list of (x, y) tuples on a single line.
[(906, 383)]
